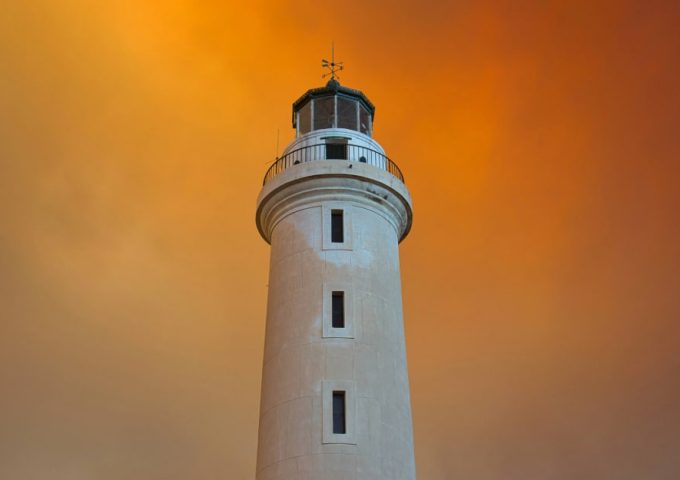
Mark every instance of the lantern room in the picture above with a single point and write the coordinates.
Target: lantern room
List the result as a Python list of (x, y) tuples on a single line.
[(333, 106)]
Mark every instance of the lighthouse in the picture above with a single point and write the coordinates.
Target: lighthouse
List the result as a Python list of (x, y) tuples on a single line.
[(335, 399)]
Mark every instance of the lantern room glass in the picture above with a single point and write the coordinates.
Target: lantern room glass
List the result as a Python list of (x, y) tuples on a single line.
[(364, 121), (333, 111), (347, 113), (305, 119), (324, 112)]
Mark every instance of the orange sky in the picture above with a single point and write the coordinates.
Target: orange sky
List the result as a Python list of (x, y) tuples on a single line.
[(541, 278)]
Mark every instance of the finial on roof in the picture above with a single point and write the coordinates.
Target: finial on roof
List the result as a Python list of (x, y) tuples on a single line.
[(332, 66)]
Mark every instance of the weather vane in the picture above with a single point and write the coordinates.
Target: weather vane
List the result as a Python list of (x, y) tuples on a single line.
[(332, 66)]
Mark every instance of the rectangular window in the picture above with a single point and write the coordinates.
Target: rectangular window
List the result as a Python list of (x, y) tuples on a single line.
[(339, 422), (336, 151), (338, 412), (337, 229), (338, 309)]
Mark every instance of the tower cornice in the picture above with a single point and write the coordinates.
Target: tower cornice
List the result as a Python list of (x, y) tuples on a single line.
[(334, 180)]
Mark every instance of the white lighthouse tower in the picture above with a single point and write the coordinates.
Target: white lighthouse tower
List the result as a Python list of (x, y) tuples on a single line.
[(335, 393)]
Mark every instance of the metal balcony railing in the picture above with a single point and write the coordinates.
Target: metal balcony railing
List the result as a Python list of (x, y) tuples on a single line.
[(333, 151)]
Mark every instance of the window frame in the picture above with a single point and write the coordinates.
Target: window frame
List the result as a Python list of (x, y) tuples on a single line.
[(326, 233), (328, 435), (348, 330)]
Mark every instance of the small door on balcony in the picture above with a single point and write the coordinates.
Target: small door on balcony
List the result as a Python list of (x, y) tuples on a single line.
[(336, 150)]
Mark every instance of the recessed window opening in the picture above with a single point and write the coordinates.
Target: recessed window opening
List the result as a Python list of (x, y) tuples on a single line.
[(336, 151), (337, 230), (339, 407), (338, 309)]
